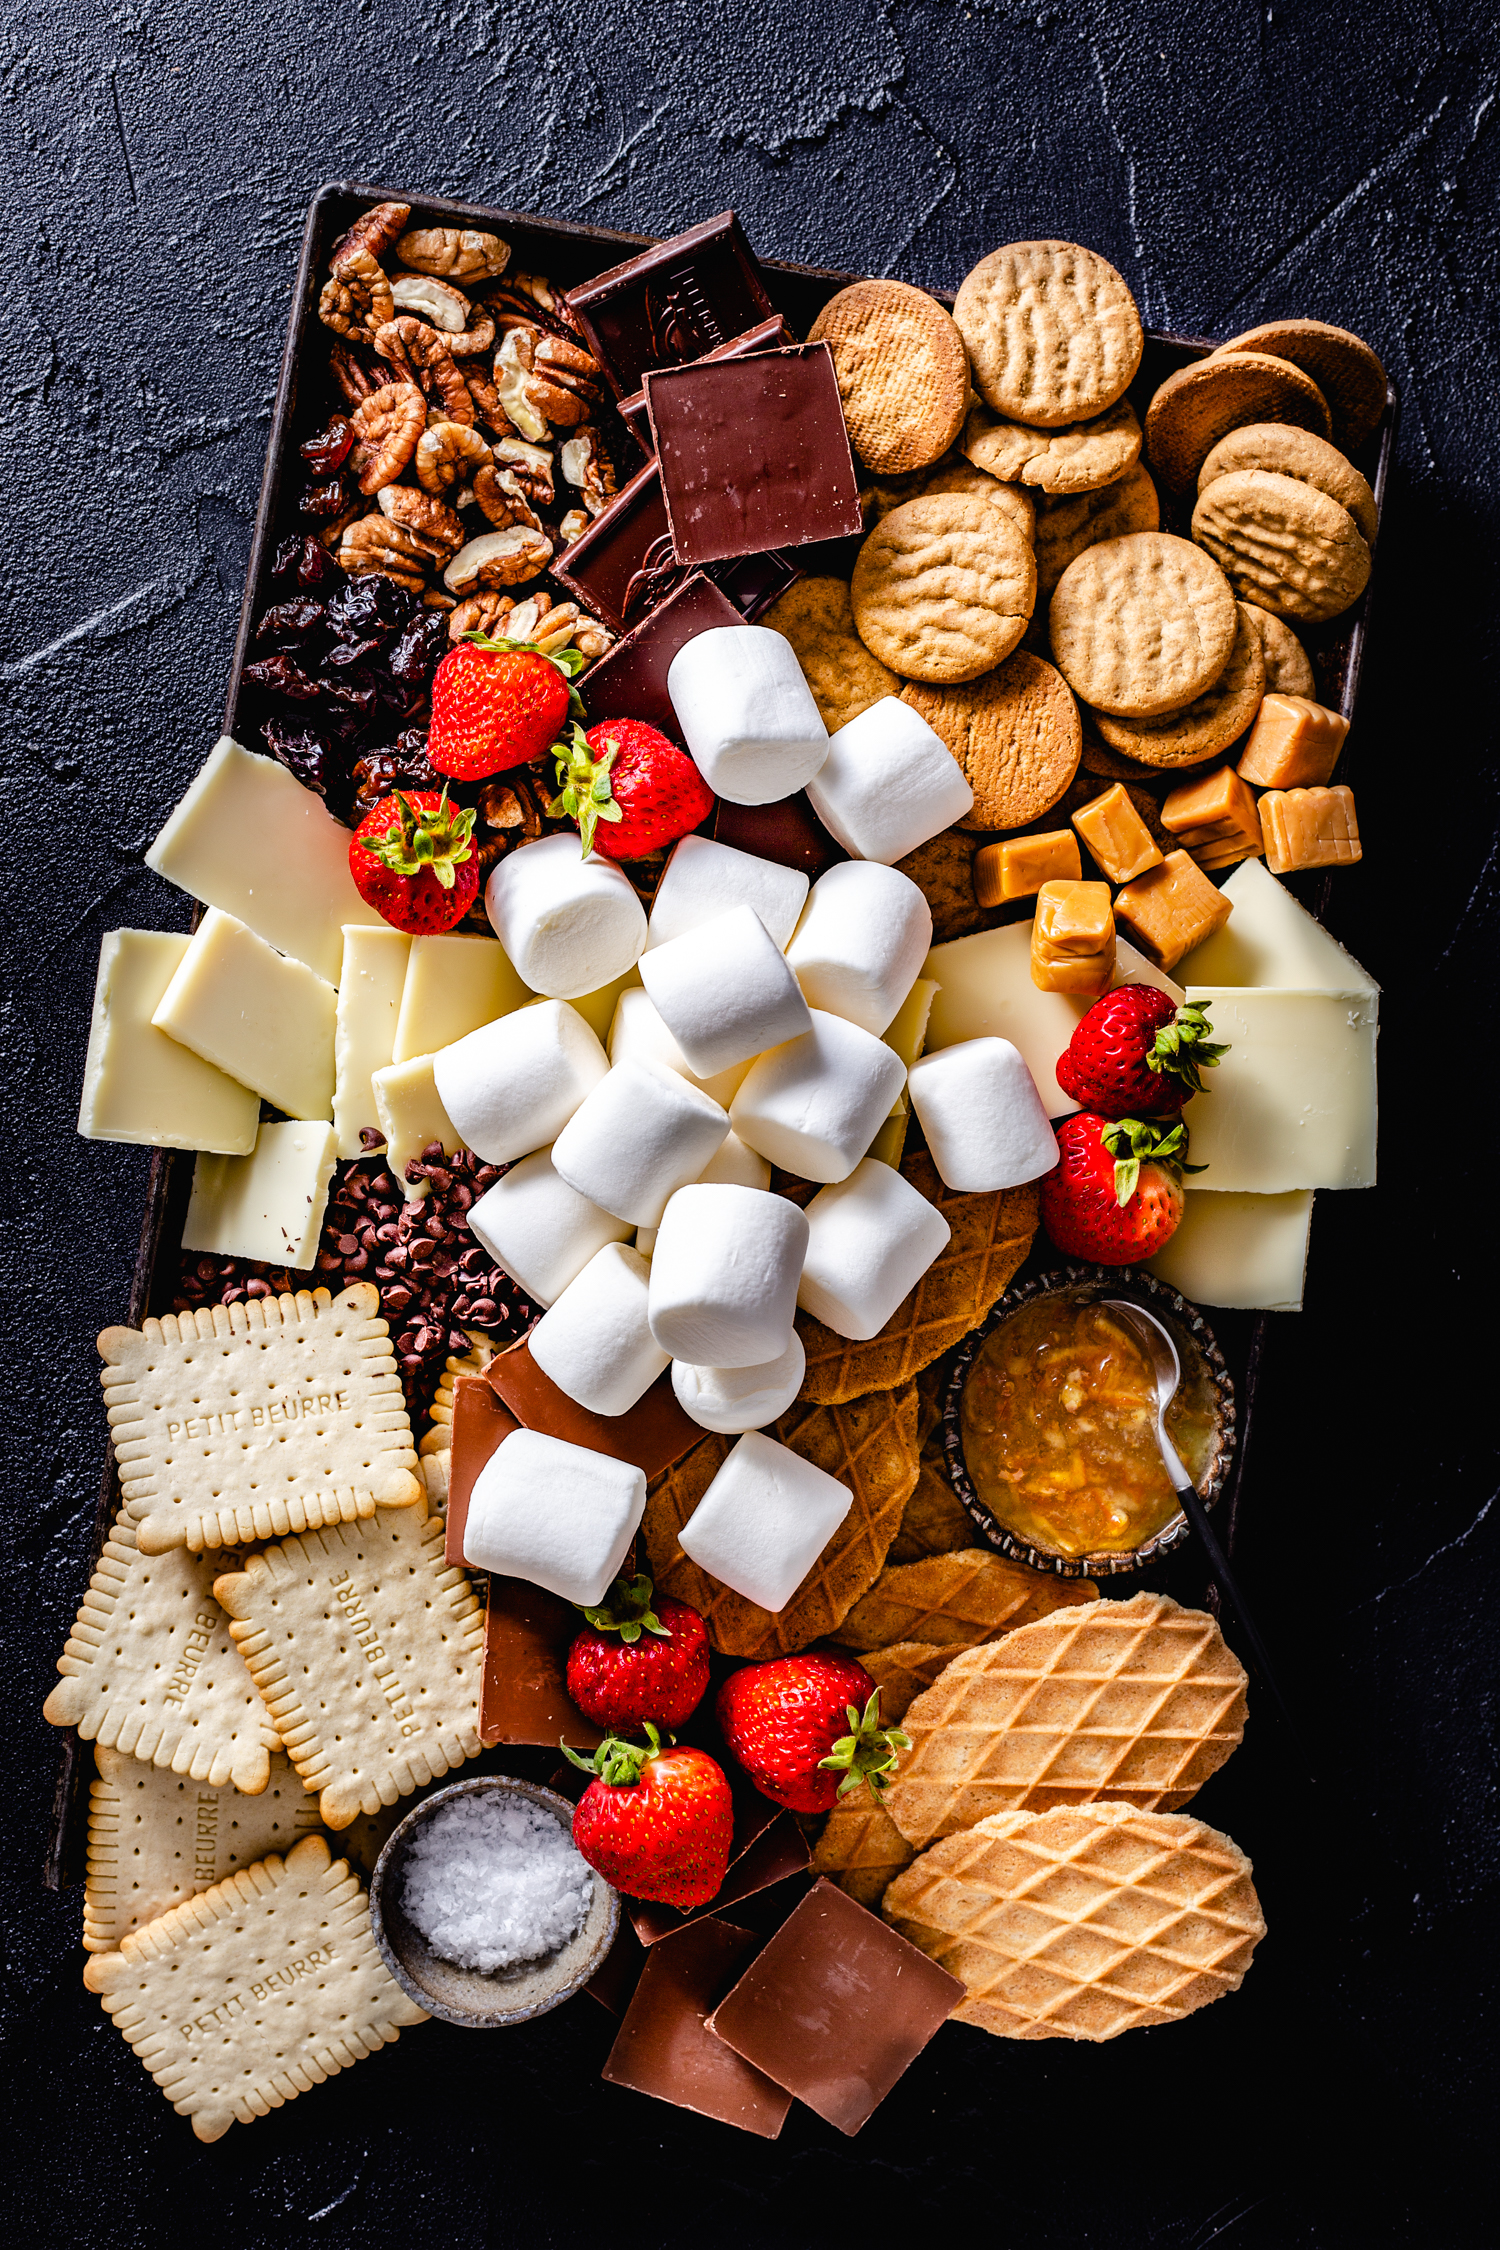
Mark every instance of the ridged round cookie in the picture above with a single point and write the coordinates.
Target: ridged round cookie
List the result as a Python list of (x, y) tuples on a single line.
[(1073, 521), (943, 588), (1139, 626), (816, 616), (1016, 733), (952, 474), (1079, 458), (903, 373), (1343, 366), (1202, 403), (1052, 331), (1208, 724), (1288, 666), (943, 871), (1283, 544), (1286, 452)]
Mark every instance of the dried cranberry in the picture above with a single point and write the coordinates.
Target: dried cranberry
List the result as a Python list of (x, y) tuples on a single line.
[(354, 690), (287, 556), (317, 567), (373, 603), (344, 653), (301, 751), (326, 451), (281, 675), (320, 501), (289, 621), (417, 651)]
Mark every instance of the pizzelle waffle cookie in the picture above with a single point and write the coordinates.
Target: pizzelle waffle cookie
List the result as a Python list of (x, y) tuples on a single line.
[(1138, 1701), (367, 1649), (1015, 732), (936, 1522), (870, 1445), (956, 1600), (860, 1845), (250, 1421), (1083, 1922), (904, 1672), (241, 1999), (1205, 726)]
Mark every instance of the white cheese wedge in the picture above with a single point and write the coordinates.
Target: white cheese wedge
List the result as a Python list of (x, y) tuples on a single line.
[(1247, 1251), (139, 1085), (1293, 1101), (411, 1114), (374, 974), (249, 838), (248, 1010), (598, 1008), (1272, 941), (269, 1205), (453, 985)]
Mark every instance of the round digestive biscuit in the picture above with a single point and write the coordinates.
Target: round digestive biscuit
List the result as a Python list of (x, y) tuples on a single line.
[(1286, 452), (1072, 521), (1203, 402), (1208, 724), (1016, 733), (1079, 458), (902, 370), (1284, 545), (815, 615), (1344, 368), (1052, 331), (1139, 626), (1288, 666), (943, 588)]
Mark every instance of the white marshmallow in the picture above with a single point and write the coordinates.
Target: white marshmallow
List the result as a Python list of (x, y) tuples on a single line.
[(724, 991), (740, 1398), (704, 879), (814, 1105), (870, 1239), (764, 1521), (736, 1166), (746, 713), (639, 1136), (638, 1034), (594, 1342), (568, 924), (541, 1231), (558, 1515), (888, 783), (861, 942), (724, 1276), (512, 1085), (985, 1122)]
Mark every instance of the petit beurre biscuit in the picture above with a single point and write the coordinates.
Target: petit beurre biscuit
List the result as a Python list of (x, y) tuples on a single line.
[(245, 1997), (203, 1406)]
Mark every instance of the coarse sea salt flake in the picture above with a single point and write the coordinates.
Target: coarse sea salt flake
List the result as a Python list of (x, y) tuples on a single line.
[(494, 1881)]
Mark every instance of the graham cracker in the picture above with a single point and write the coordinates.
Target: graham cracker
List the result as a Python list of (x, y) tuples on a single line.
[(861, 1847), (957, 1600), (242, 1422), (368, 1650), (241, 1999)]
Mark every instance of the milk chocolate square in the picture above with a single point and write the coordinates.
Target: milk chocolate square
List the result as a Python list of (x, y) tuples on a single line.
[(774, 1850), (663, 2048), (653, 1435), (523, 1696), (672, 302), (481, 1422)]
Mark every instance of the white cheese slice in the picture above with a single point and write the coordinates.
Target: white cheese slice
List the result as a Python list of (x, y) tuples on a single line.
[(1272, 941), (371, 983), (1293, 1101), (411, 1114), (1247, 1251), (139, 1085), (249, 838), (598, 1008), (453, 985), (269, 1205), (248, 1010)]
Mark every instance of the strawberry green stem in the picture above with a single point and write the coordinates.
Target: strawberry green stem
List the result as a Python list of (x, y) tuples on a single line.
[(584, 792), (618, 1762), (626, 1610), (1183, 1049), (436, 838), (1135, 1144), (868, 1751)]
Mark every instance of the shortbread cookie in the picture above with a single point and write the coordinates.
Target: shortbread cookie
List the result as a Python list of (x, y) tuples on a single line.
[(1208, 724), (150, 1669), (1052, 331), (816, 616), (156, 1837), (1016, 733), (1204, 401), (1344, 368), (1288, 666), (1081, 457), (952, 474), (860, 1846), (244, 1998), (249, 1421), (902, 370), (1285, 546), (1288, 452), (943, 588), (1069, 523), (1142, 624), (367, 1649), (957, 1600)]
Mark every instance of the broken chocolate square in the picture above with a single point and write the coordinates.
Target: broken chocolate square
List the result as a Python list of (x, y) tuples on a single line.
[(523, 1696), (623, 565), (663, 2048), (672, 302), (776, 1850)]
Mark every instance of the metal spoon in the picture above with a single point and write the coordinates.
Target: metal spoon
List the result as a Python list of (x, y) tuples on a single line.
[(1160, 1349)]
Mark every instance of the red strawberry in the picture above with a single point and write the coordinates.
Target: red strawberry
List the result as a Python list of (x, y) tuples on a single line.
[(630, 790), (656, 1822), (496, 704), (1136, 1054), (1116, 1194), (618, 1678), (413, 861), (807, 1729)]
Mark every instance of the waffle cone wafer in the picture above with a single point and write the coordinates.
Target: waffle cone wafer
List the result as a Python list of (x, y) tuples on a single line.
[(936, 1521), (1083, 1922), (904, 1672), (1139, 1701), (861, 1847), (990, 1236), (870, 1445), (957, 1600)]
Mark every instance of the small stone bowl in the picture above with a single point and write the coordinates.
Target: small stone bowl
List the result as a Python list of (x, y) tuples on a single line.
[(466, 1996)]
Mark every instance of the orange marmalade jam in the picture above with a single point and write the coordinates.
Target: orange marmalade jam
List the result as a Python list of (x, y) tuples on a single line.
[(1059, 1429)]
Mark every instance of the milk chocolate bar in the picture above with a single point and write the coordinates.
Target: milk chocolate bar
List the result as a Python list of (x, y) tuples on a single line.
[(673, 302), (776, 1850), (664, 2048), (481, 1422), (523, 1696), (653, 1435), (765, 336)]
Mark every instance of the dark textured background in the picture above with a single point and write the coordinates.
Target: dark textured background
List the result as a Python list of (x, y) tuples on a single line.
[(1236, 161)]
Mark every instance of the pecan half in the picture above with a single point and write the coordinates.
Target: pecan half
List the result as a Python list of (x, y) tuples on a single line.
[(358, 299), (373, 232), (350, 373), (422, 353), (482, 613), (387, 426), (458, 253), (498, 558), (510, 806), (542, 380), (437, 302), (432, 598), (436, 529), (533, 467), (573, 526), (499, 493), (586, 464), (448, 455), (374, 544)]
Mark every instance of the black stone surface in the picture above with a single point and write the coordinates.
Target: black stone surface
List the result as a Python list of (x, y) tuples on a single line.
[(1235, 162)]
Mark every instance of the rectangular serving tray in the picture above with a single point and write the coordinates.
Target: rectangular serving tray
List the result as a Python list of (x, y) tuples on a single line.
[(568, 253)]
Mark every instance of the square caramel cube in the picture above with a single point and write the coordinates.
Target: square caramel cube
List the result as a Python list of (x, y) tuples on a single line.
[(1309, 828), (1209, 802), (1172, 908), (1019, 867), (1073, 938), (1116, 835), (1293, 742)]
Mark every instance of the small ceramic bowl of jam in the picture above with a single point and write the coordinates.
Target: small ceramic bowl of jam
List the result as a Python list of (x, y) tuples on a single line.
[(1049, 1423)]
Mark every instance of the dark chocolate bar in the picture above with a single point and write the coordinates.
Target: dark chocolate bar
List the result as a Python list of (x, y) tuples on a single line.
[(663, 2048), (673, 302), (623, 565), (788, 831), (766, 336), (631, 681)]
